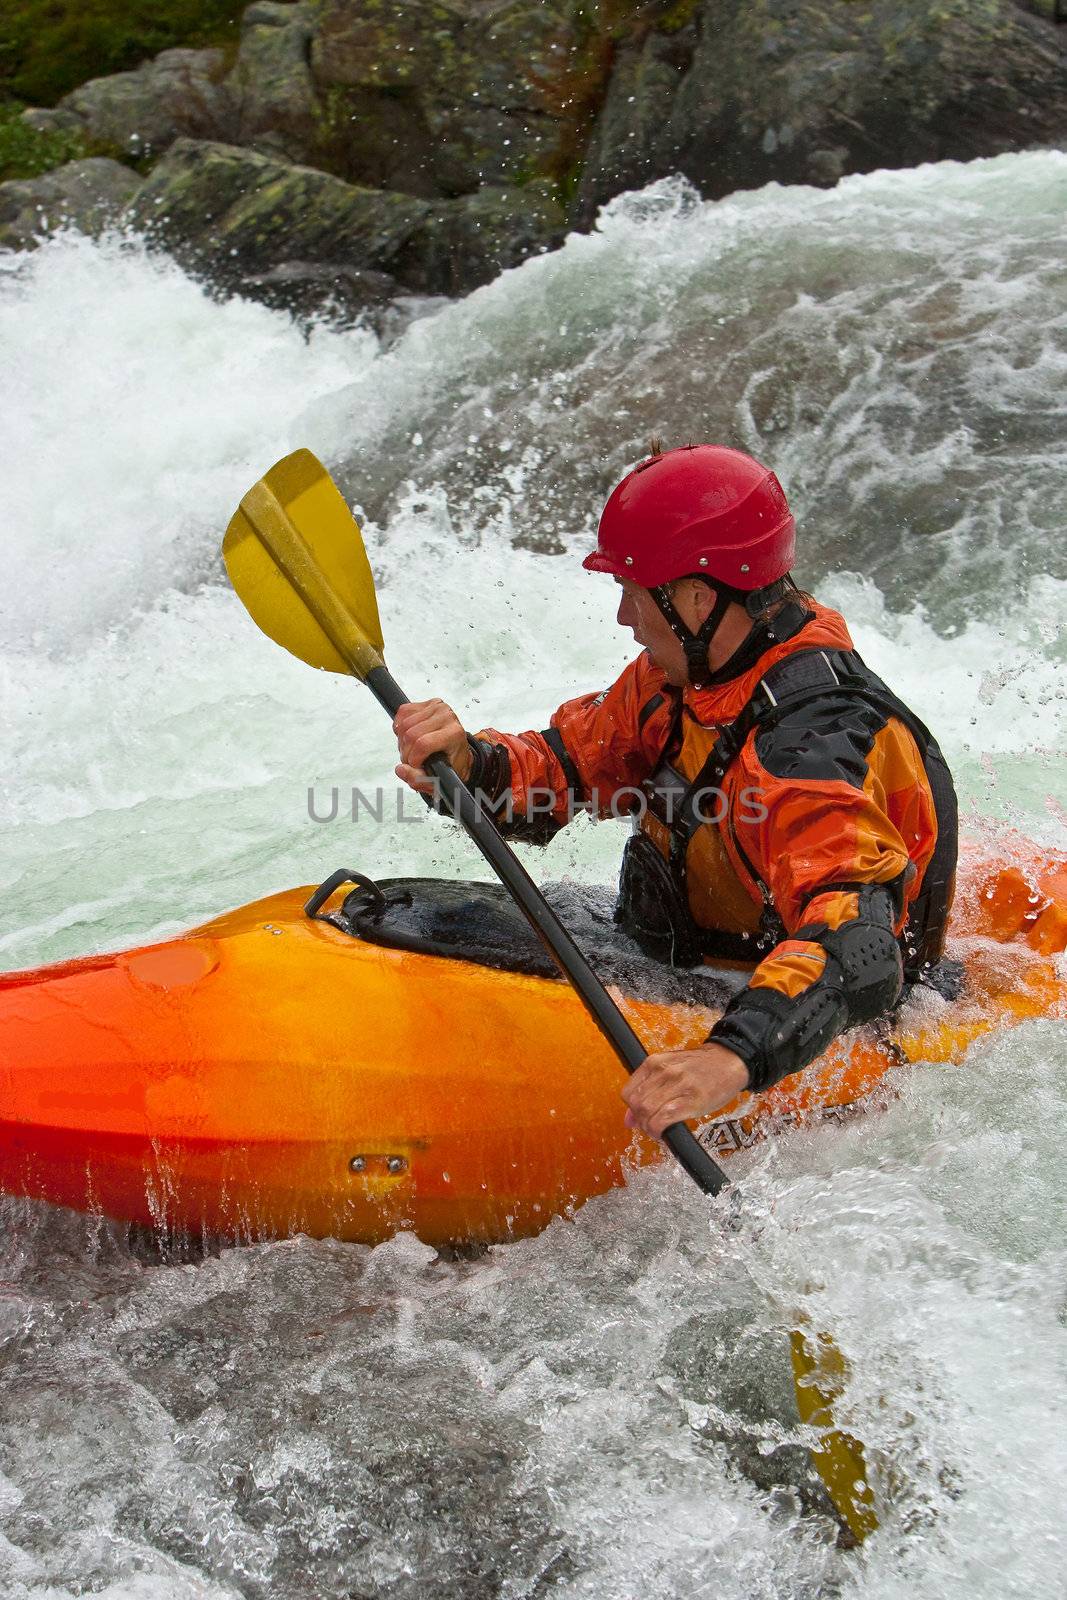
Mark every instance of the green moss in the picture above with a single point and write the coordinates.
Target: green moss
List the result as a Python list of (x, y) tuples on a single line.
[(49, 47), (24, 153), (677, 16), (628, 21), (335, 110), (565, 185)]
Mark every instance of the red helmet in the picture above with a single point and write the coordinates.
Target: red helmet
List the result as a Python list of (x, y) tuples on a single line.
[(702, 509)]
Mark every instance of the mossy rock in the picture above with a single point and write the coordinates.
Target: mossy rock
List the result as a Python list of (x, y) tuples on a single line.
[(470, 240), (279, 109), (235, 216), (87, 195), (750, 91), (140, 113), (233, 212), (27, 150), (462, 93)]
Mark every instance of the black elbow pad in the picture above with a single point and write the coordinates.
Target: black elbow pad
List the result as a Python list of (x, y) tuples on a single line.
[(868, 956), (774, 1035), (863, 978)]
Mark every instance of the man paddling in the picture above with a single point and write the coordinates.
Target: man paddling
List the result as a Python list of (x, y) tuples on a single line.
[(789, 809)]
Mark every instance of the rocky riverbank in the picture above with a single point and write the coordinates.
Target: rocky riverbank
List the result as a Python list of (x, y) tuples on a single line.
[(350, 150)]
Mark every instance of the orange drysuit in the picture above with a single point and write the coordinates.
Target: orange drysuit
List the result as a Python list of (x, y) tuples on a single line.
[(828, 838)]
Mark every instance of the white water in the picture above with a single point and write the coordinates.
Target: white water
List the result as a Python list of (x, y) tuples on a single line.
[(563, 1416)]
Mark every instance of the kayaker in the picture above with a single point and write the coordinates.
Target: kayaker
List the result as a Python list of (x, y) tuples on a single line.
[(789, 810)]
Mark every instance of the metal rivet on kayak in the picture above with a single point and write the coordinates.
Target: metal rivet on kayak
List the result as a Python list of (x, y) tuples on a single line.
[(396, 1163), (357, 1163)]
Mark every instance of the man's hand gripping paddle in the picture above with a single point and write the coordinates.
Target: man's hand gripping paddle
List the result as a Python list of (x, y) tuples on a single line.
[(295, 557)]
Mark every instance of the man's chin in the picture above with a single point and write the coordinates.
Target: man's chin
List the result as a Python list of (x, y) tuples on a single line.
[(675, 676)]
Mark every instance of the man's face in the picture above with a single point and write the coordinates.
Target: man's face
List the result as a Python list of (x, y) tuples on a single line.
[(639, 612)]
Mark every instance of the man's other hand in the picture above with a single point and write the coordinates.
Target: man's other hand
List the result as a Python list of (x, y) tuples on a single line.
[(676, 1085), (425, 728)]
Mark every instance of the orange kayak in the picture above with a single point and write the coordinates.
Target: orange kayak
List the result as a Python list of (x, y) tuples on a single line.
[(272, 1072)]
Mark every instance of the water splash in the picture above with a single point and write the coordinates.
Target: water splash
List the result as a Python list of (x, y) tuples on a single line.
[(597, 1412)]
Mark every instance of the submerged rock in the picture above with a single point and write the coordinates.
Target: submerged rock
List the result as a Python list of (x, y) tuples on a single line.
[(87, 195)]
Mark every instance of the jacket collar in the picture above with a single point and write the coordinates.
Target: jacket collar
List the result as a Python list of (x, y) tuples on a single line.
[(724, 701)]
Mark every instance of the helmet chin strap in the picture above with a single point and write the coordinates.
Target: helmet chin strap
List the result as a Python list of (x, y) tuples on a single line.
[(758, 639)]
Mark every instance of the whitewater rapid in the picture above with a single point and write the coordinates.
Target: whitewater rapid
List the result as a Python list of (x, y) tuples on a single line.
[(569, 1415)]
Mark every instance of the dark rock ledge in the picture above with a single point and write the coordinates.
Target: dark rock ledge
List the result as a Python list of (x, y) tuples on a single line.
[(359, 149)]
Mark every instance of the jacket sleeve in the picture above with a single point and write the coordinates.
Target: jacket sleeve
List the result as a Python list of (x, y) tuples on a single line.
[(592, 757), (845, 830)]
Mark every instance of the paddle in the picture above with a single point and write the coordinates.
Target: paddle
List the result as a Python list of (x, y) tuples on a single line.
[(318, 601), (296, 559)]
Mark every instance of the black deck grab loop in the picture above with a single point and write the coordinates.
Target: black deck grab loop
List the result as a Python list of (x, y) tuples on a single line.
[(334, 881)]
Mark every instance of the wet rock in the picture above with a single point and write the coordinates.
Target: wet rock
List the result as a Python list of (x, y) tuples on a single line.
[(85, 194), (440, 99), (279, 112), (180, 92), (827, 167), (432, 140), (243, 218), (321, 289), (751, 91), (468, 241), (234, 213), (625, 150)]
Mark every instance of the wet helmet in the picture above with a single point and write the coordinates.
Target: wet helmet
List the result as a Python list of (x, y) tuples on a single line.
[(703, 511)]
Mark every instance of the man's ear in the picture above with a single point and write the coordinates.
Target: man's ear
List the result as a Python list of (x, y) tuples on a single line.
[(704, 598)]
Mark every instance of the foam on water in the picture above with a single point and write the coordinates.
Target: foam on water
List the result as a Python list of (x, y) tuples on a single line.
[(186, 759), (132, 406), (598, 1412), (897, 345)]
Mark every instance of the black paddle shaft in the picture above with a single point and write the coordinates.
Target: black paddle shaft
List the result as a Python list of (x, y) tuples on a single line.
[(553, 935)]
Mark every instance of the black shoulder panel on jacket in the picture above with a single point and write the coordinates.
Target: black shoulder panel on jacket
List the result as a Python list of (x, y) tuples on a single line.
[(828, 740), (554, 740), (649, 708)]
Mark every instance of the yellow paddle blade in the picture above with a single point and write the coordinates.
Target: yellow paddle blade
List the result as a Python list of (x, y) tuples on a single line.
[(819, 1373), (295, 556)]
